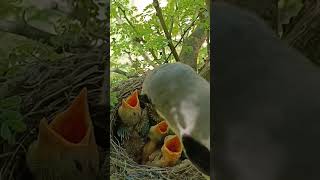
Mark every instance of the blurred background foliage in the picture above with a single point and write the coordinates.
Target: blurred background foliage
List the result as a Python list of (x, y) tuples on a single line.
[(138, 41), (44, 30), (39, 31)]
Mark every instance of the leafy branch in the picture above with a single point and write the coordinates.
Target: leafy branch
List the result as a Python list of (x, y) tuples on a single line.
[(119, 71), (185, 32), (165, 29), (11, 121), (139, 38), (24, 29)]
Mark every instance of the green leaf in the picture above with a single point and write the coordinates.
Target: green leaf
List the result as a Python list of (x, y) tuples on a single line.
[(289, 9), (18, 125), (4, 90), (12, 103), (142, 37), (5, 131), (113, 99), (13, 119), (10, 115)]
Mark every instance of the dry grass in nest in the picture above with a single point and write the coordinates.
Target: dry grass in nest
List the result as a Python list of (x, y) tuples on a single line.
[(122, 167), (47, 88)]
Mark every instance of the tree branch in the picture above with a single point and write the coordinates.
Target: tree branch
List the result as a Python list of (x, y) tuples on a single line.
[(26, 30), (145, 56), (165, 29), (23, 29), (303, 31), (127, 19), (184, 33), (192, 44), (119, 71), (205, 71), (139, 38)]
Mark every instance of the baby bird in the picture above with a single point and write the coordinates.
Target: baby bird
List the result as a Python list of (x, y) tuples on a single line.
[(130, 110), (132, 117), (129, 130), (65, 148), (156, 134), (170, 153)]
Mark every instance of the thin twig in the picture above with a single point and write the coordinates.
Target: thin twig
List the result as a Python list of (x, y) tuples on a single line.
[(185, 32), (165, 29), (3, 155), (139, 38)]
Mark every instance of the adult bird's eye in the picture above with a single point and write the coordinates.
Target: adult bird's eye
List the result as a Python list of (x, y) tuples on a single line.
[(197, 153)]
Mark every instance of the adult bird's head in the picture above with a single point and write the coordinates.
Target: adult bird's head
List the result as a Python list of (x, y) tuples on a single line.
[(182, 97)]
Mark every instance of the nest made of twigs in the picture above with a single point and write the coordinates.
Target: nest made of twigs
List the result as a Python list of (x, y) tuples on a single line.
[(47, 88), (122, 166)]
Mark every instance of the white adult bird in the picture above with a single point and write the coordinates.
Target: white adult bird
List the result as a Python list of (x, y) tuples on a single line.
[(182, 97)]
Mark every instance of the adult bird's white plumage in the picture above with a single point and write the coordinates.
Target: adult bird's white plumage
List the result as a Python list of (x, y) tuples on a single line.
[(182, 97)]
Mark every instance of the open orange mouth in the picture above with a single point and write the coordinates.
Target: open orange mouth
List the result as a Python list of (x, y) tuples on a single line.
[(72, 126), (171, 150), (156, 133), (132, 101), (130, 109), (70, 135), (162, 128)]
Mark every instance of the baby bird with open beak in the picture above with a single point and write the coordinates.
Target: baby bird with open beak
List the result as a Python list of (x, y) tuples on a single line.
[(155, 136), (65, 148), (170, 153), (182, 97), (130, 110)]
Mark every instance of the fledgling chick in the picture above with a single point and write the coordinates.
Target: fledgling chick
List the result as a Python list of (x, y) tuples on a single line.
[(65, 148), (156, 134), (130, 114), (170, 152), (182, 97), (130, 110), (133, 146)]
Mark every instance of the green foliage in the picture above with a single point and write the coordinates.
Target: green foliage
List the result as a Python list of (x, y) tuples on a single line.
[(287, 10), (69, 26), (11, 121), (72, 25), (9, 7), (113, 99), (203, 54), (138, 37)]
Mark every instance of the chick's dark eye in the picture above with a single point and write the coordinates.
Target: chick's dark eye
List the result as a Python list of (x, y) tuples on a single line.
[(78, 165)]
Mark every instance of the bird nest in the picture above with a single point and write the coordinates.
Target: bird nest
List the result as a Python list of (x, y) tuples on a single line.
[(123, 163), (47, 88)]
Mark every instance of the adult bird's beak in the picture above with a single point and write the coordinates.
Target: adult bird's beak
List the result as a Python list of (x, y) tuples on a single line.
[(65, 148), (130, 109)]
